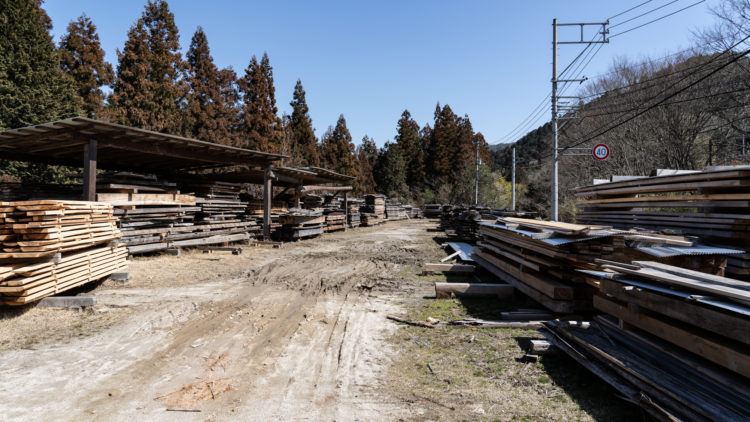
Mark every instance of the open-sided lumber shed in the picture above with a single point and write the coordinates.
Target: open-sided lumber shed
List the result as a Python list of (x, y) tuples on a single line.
[(95, 144)]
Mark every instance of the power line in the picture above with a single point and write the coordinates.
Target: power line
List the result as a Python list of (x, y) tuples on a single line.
[(643, 14), (626, 11), (657, 19)]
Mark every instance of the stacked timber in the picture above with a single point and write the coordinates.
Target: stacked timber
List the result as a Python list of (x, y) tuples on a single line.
[(255, 207), (433, 210), (541, 258), (413, 212), (395, 211), (712, 205), (370, 219), (462, 224), (298, 224), (335, 220), (375, 204), (354, 216), (35, 191), (313, 201), (52, 246), (219, 201)]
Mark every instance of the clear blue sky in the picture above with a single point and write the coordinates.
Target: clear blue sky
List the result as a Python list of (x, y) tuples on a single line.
[(371, 60)]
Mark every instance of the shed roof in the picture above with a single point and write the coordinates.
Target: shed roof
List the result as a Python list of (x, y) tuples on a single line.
[(285, 176), (121, 147)]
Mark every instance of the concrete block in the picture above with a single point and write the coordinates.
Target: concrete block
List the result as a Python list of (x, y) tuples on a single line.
[(67, 301)]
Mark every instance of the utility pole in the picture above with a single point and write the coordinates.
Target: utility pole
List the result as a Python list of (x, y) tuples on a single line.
[(476, 178), (555, 98), (513, 182)]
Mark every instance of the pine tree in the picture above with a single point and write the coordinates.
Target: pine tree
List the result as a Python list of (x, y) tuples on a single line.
[(390, 171), (442, 144), (367, 156), (148, 91), (261, 127), (210, 98), (33, 89), (303, 139), (338, 149), (82, 57), (410, 142)]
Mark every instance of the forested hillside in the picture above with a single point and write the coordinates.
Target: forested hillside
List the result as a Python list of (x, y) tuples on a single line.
[(154, 86)]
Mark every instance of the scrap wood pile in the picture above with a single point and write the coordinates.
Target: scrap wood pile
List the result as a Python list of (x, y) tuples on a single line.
[(433, 210), (299, 223), (370, 219), (335, 219), (672, 340), (463, 224), (52, 246), (395, 211), (539, 258), (354, 216), (711, 205), (154, 215)]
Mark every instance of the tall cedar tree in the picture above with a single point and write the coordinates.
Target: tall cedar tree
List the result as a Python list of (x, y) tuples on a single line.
[(410, 142), (304, 142), (33, 89), (210, 99), (442, 145), (261, 127), (390, 171), (338, 149), (82, 57), (148, 91), (367, 156)]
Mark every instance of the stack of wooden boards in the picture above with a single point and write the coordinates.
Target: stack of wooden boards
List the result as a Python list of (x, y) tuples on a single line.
[(298, 224), (354, 216), (462, 224), (395, 211), (433, 210), (335, 219), (52, 246), (370, 219), (219, 201), (374, 204), (711, 204), (539, 258)]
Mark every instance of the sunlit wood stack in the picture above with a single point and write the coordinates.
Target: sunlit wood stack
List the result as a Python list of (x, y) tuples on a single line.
[(335, 220), (299, 224), (52, 246)]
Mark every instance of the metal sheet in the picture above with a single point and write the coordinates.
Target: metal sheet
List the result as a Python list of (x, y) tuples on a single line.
[(667, 251), (465, 250)]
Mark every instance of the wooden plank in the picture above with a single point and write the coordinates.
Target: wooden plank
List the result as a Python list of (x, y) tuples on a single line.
[(444, 290), (552, 288), (722, 353), (668, 187), (669, 198), (721, 323), (89, 170), (695, 177), (695, 275), (450, 268)]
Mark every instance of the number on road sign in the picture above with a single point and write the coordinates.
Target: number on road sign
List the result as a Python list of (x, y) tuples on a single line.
[(601, 152)]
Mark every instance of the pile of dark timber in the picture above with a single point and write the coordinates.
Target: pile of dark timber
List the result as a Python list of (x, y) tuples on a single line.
[(711, 204), (335, 219), (52, 246), (354, 216), (219, 202), (705, 314), (370, 219), (394, 211), (298, 224), (34, 191), (540, 258), (313, 201), (667, 382), (462, 224), (433, 210), (374, 204)]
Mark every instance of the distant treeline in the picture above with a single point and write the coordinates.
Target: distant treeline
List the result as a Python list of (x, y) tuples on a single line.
[(154, 87)]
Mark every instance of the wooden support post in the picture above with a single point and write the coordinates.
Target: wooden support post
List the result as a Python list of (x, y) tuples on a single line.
[(297, 193), (89, 171), (267, 197), (346, 210)]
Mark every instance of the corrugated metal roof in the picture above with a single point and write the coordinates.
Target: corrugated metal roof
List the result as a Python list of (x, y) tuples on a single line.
[(666, 251)]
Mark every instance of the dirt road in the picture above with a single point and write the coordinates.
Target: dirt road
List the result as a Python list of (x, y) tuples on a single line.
[(293, 334)]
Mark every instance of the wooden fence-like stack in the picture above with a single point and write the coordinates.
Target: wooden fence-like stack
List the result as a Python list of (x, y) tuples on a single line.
[(540, 258), (52, 246), (712, 205)]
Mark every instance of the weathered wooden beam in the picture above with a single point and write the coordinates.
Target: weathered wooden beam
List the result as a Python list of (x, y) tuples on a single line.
[(346, 210), (449, 268), (328, 188), (267, 194), (444, 290), (89, 170)]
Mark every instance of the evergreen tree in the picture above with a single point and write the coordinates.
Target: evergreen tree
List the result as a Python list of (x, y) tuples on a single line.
[(390, 171), (148, 91), (367, 156), (33, 89), (338, 149), (211, 96), (302, 134), (442, 144), (410, 142), (82, 57), (261, 127)]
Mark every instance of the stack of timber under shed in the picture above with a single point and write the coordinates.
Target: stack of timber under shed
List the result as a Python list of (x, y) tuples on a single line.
[(540, 258), (433, 210), (335, 219), (52, 246), (712, 205), (298, 224), (219, 202), (375, 204)]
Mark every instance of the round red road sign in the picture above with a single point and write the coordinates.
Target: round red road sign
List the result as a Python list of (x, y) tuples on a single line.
[(601, 151)]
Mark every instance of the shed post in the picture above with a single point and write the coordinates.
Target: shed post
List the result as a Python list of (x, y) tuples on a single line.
[(89, 170), (346, 209), (298, 192), (267, 198)]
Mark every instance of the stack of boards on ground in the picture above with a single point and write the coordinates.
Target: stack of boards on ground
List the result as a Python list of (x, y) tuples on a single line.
[(433, 210), (335, 219), (354, 216), (299, 224), (155, 216), (374, 204), (53, 246), (395, 211), (712, 205)]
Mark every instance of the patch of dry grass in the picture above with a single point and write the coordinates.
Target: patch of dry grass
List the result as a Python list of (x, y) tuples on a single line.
[(31, 326), (464, 373)]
